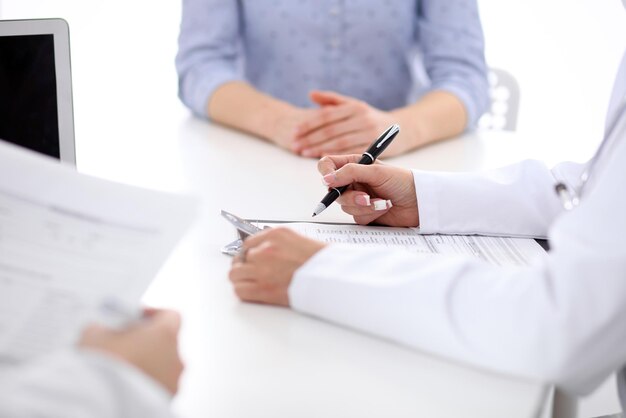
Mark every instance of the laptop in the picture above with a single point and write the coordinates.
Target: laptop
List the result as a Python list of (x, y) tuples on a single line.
[(36, 87)]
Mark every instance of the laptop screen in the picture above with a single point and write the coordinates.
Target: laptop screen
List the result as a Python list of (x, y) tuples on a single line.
[(28, 93), (36, 109)]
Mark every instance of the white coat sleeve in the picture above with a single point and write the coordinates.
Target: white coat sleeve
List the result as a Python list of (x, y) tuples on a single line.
[(78, 384), (517, 200), (559, 321)]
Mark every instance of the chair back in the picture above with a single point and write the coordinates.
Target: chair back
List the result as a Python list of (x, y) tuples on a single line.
[(505, 95)]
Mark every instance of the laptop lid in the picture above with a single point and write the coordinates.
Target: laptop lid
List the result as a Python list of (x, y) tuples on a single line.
[(36, 87)]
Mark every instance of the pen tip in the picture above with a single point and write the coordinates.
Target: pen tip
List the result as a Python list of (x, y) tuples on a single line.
[(313, 216), (319, 209)]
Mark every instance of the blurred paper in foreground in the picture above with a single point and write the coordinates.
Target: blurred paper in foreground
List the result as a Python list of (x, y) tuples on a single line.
[(67, 242)]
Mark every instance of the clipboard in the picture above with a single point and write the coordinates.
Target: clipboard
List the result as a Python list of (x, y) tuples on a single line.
[(245, 228)]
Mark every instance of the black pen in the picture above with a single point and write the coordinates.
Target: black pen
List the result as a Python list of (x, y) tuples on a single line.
[(368, 158)]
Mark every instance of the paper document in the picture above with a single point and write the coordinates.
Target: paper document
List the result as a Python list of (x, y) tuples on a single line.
[(68, 242), (502, 251)]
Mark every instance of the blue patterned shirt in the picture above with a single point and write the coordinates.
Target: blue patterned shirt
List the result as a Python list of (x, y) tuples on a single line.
[(384, 52)]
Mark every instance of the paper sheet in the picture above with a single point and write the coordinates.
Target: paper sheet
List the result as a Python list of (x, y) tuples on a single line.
[(502, 251), (68, 242)]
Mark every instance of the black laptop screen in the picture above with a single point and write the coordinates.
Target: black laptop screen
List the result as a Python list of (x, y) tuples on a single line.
[(28, 93)]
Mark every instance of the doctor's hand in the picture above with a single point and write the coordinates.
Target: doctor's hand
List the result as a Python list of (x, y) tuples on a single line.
[(344, 125), (378, 192), (263, 271), (150, 345)]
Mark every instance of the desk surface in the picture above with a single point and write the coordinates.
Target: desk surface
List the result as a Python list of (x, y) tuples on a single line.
[(250, 360)]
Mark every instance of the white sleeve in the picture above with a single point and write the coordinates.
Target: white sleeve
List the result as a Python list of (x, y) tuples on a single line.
[(518, 200), (78, 384), (560, 320)]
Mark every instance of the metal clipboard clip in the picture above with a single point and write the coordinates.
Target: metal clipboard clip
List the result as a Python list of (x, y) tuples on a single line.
[(244, 230)]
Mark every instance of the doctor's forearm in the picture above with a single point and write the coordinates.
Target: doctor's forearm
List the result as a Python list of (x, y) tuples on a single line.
[(517, 200), (517, 321)]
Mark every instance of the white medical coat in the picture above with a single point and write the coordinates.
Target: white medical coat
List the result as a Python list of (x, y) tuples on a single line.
[(561, 320)]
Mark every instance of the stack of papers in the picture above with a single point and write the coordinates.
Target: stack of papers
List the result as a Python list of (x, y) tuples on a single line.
[(501, 251)]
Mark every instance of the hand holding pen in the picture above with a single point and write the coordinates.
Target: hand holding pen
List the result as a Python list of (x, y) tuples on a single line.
[(392, 186), (368, 158)]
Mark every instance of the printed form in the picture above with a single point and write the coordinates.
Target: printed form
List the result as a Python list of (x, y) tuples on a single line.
[(68, 242), (501, 251)]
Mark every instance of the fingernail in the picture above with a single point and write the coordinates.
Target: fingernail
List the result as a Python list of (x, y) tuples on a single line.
[(362, 200), (382, 205), (329, 178), (307, 153)]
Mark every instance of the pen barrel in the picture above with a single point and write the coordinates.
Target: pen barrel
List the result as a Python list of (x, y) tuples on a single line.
[(375, 152), (367, 159), (333, 194), (381, 144)]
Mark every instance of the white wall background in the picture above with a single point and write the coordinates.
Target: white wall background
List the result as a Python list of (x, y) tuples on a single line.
[(564, 54)]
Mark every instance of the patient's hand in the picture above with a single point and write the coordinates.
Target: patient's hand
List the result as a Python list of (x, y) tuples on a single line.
[(151, 345), (344, 125), (284, 130)]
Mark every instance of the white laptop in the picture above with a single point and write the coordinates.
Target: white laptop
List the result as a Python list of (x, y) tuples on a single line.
[(36, 87)]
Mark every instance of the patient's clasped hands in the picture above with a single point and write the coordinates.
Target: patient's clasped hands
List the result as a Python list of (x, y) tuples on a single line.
[(273, 255), (341, 125)]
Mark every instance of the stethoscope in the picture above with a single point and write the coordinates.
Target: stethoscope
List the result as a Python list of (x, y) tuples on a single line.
[(570, 196)]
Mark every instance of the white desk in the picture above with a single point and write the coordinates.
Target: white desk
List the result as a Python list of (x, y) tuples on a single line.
[(248, 360)]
